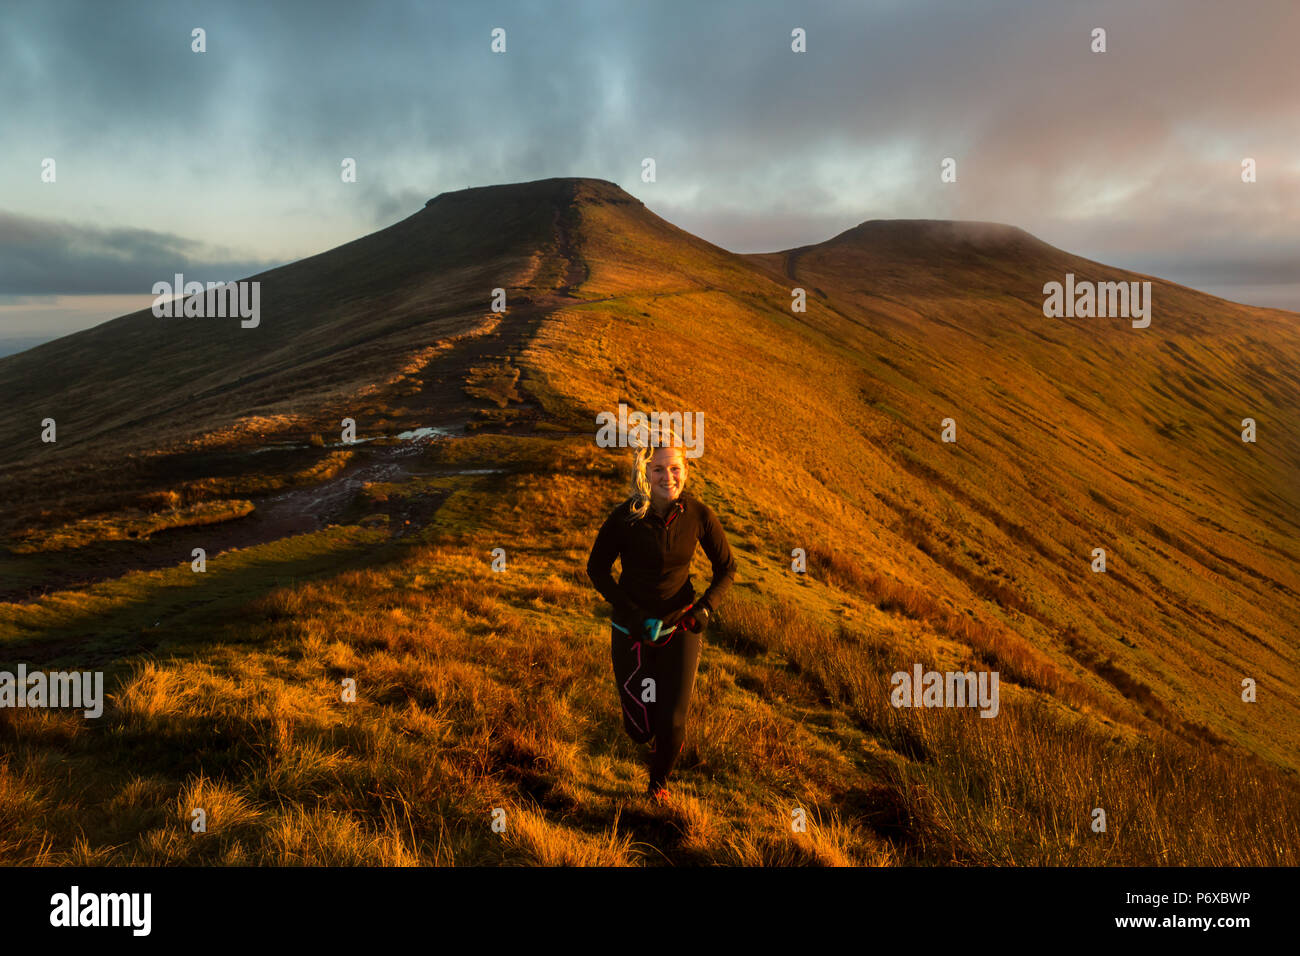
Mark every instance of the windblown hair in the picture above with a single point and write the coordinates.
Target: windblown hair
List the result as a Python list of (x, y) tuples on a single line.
[(667, 437)]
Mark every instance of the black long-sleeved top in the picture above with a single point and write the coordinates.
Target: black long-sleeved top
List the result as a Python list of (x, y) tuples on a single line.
[(656, 553)]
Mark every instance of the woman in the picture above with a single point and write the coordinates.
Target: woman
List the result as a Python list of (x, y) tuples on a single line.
[(657, 626)]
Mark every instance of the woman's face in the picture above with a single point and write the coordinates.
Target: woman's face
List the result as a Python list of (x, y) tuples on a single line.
[(667, 474)]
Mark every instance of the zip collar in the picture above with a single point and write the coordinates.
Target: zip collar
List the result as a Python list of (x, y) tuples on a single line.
[(677, 509)]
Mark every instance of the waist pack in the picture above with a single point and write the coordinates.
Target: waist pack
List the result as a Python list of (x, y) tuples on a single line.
[(657, 630)]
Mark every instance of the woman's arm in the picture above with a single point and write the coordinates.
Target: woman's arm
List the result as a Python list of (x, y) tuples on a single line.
[(599, 564), (715, 546)]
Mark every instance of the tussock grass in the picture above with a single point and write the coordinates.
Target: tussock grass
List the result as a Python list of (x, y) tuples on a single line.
[(1020, 788), (327, 467), (127, 525), (485, 696)]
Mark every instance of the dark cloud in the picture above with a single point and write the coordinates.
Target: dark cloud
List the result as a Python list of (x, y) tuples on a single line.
[(1268, 268), (1120, 156), (42, 258), (388, 206)]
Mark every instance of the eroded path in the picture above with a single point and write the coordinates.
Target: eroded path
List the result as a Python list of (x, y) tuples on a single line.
[(444, 409)]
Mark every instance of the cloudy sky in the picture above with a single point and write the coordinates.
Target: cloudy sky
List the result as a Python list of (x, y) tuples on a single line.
[(224, 163)]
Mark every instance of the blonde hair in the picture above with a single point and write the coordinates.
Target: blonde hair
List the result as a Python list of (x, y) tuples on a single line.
[(639, 500)]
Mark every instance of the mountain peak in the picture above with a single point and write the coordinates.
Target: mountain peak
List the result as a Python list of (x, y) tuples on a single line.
[(938, 233), (564, 190)]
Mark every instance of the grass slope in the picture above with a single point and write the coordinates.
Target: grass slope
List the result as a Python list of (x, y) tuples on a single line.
[(480, 690)]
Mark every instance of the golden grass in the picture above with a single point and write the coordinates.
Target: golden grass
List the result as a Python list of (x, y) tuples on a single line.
[(324, 469), (126, 525), (482, 693)]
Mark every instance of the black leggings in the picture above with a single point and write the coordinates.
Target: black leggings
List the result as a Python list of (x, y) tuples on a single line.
[(672, 668)]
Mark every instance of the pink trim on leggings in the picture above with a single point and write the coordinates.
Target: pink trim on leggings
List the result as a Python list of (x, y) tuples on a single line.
[(644, 711)]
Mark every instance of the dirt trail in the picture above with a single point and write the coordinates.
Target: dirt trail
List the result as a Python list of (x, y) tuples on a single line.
[(442, 404)]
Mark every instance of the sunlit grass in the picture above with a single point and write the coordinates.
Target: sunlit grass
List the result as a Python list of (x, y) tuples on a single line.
[(485, 729)]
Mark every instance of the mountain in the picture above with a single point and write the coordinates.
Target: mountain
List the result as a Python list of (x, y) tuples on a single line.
[(330, 324), (1122, 688), (8, 346)]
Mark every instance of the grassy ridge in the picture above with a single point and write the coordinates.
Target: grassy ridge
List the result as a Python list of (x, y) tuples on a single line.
[(833, 433), (480, 690)]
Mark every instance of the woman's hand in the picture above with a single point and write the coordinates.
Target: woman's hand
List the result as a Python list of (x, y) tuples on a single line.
[(698, 619)]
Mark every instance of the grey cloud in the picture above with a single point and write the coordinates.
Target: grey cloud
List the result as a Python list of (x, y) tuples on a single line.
[(738, 231), (1268, 267), (42, 257), (388, 206), (740, 127)]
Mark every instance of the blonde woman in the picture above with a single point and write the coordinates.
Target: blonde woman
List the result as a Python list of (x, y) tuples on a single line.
[(658, 623)]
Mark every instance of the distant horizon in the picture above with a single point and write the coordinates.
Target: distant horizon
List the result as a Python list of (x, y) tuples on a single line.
[(754, 146), (651, 435), (76, 313)]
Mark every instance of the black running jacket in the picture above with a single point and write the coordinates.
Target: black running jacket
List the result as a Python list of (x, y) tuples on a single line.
[(656, 554)]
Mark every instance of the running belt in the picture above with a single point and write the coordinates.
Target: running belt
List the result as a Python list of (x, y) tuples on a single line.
[(662, 634)]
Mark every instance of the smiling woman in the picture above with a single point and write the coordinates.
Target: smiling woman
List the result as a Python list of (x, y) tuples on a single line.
[(656, 633)]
